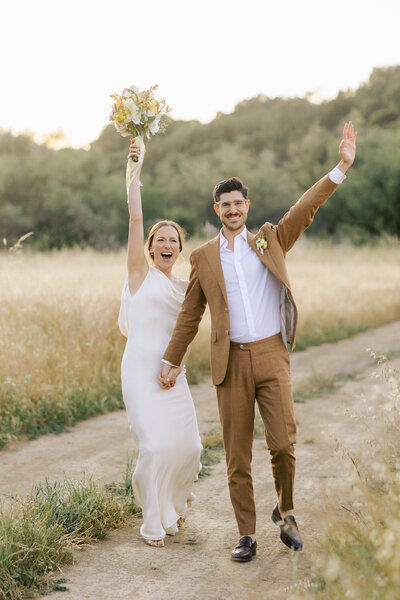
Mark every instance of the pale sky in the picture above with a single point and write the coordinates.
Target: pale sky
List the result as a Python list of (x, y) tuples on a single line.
[(61, 60)]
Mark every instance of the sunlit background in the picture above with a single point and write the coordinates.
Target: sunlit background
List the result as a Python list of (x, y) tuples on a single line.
[(61, 60)]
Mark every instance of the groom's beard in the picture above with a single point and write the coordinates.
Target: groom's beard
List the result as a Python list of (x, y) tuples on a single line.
[(234, 225)]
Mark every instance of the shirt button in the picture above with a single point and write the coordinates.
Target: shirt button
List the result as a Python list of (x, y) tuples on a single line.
[(226, 309), (241, 346), (227, 331)]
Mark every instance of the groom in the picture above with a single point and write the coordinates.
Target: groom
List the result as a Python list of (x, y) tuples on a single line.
[(244, 280)]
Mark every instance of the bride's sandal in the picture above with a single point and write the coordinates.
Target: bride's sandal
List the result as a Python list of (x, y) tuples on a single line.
[(154, 543), (180, 521)]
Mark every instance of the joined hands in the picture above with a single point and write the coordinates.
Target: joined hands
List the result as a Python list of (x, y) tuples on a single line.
[(168, 375)]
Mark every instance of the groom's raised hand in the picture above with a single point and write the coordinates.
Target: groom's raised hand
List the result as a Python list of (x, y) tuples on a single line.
[(347, 148)]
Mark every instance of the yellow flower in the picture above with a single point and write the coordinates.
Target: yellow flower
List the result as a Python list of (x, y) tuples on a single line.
[(153, 106)]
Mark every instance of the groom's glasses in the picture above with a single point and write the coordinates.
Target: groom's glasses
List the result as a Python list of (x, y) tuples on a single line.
[(235, 204)]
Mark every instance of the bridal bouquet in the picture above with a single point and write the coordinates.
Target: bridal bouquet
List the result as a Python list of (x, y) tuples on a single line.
[(137, 114)]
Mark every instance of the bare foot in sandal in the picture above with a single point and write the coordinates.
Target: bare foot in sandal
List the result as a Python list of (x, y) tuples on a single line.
[(154, 543), (180, 521)]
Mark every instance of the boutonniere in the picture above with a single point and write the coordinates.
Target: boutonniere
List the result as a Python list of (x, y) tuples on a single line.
[(261, 243)]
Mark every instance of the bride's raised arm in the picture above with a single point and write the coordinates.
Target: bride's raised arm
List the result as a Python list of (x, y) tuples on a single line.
[(137, 264)]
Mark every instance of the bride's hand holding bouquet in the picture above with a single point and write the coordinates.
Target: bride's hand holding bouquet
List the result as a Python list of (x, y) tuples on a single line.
[(138, 115)]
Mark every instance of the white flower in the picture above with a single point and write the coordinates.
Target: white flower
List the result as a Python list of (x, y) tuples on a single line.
[(120, 127), (132, 110), (154, 126), (133, 88), (129, 104)]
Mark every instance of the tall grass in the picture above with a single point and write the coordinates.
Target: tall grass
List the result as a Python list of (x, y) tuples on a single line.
[(60, 347), (341, 290), (38, 534), (359, 557)]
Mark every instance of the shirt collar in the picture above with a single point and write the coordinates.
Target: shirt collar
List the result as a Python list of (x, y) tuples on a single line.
[(223, 242)]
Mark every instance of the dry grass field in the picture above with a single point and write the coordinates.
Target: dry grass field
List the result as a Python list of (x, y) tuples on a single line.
[(341, 289), (60, 346)]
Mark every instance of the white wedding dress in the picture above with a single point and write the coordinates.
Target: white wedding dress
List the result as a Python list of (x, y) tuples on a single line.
[(164, 421)]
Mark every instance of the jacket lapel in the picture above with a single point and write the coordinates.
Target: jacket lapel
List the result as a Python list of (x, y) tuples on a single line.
[(214, 260), (265, 257)]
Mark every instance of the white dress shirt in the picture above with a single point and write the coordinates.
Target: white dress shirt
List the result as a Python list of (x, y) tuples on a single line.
[(253, 292)]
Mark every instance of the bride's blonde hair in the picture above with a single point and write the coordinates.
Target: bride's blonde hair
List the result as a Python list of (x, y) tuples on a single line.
[(157, 226)]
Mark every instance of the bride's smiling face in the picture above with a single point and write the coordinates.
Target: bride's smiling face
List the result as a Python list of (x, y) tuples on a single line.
[(165, 247)]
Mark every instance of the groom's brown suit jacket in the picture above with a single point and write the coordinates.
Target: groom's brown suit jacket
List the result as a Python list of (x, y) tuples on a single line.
[(207, 285)]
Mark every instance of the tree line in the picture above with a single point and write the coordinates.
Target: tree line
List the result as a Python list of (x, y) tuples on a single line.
[(277, 146)]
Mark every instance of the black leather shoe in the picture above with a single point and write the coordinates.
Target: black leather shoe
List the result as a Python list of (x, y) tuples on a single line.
[(290, 535), (245, 549)]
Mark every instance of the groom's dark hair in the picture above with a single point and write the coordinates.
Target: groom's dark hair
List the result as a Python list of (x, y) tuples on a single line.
[(229, 185)]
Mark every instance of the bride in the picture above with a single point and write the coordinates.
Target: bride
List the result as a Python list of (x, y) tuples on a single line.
[(164, 421)]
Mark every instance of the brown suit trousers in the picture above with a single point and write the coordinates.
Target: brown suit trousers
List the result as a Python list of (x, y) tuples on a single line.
[(257, 370)]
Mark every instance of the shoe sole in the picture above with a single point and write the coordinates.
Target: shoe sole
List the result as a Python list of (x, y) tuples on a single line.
[(290, 544)]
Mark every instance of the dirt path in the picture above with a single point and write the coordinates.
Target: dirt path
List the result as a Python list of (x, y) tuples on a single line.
[(196, 563)]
